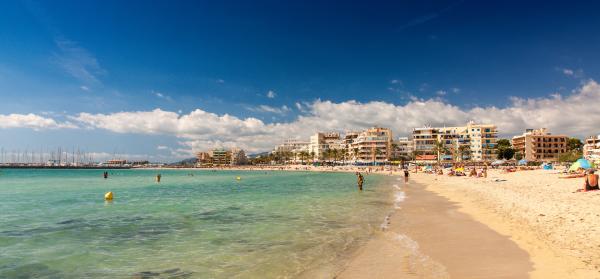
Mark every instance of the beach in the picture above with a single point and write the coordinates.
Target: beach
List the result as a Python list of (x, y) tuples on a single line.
[(527, 224)]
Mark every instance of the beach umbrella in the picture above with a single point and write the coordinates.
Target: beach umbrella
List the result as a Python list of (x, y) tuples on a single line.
[(581, 163), (522, 162)]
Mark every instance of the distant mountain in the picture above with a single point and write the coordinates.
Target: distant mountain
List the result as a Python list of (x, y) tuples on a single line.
[(262, 154), (189, 161)]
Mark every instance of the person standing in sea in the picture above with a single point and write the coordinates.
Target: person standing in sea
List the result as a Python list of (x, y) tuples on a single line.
[(406, 173), (360, 180)]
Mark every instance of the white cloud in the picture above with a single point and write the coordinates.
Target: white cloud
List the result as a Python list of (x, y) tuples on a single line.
[(440, 93), (84, 88), (220, 81), (77, 61), (162, 95), (31, 121), (574, 114), (269, 109), (455, 90), (578, 73), (162, 147), (395, 81), (271, 94)]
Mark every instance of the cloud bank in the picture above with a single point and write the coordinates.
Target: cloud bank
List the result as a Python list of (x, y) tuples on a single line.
[(574, 114), (32, 121)]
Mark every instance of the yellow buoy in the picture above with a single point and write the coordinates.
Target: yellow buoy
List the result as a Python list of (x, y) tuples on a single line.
[(108, 196), (238, 178)]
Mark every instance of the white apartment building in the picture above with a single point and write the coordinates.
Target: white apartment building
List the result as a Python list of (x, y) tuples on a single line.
[(404, 148), (591, 149), (476, 142), (320, 142), (373, 145)]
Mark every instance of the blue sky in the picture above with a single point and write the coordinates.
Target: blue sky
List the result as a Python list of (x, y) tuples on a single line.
[(257, 72)]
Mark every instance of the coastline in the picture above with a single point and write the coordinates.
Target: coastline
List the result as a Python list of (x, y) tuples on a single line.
[(443, 229)]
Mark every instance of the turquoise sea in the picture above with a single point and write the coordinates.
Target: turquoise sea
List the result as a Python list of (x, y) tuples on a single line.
[(194, 224)]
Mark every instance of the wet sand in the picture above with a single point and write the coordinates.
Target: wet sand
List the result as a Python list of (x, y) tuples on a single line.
[(428, 237), (438, 234)]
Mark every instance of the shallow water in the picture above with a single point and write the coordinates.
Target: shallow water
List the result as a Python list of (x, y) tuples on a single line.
[(55, 223)]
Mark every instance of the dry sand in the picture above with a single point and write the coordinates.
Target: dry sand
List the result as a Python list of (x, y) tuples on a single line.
[(530, 226)]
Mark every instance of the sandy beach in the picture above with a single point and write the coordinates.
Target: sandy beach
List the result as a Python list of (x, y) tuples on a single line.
[(528, 224)]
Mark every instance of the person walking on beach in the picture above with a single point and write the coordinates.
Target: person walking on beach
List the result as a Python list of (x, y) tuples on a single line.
[(360, 180)]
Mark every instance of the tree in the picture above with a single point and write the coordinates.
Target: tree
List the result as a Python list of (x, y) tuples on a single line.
[(440, 148), (414, 154), (503, 143), (303, 156), (569, 156), (508, 153), (377, 152), (312, 156), (334, 153), (574, 144), (504, 149), (356, 150), (344, 155), (325, 154), (518, 156), (464, 150)]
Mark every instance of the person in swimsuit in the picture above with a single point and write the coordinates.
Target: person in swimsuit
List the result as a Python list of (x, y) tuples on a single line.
[(591, 181), (360, 180)]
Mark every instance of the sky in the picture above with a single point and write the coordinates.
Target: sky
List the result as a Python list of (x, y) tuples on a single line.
[(161, 80)]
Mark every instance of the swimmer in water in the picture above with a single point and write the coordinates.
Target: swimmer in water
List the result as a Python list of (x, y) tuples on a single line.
[(360, 181), (105, 175), (158, 178)]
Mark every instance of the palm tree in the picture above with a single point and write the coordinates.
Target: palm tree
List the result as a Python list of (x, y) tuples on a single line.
[(334, 153), (312, 156), (464, 150), (376, 152), (414, 154), (440, 148), (394, 149), (303, 156), (356, 150), (325, 154)]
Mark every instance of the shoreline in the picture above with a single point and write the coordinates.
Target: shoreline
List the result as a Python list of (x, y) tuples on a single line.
[(441, 231)]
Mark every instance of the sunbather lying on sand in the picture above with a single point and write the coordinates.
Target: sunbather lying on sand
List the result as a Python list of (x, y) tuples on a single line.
[(590, 183)]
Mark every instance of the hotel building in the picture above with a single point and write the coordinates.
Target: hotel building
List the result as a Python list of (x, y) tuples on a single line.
[(203, 159), (539, 145), (477, 140), (373, 145), (321, 142), (238, 157), (591, 149), (403, 149)]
